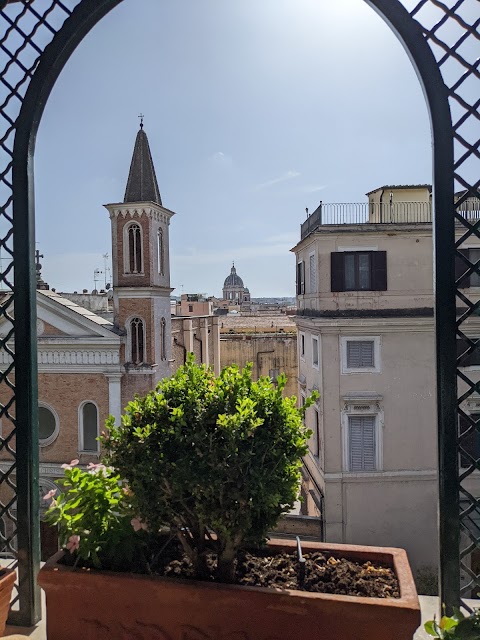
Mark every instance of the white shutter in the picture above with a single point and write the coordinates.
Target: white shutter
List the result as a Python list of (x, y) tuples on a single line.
[(361, 443), (313, 274), (360, 353)]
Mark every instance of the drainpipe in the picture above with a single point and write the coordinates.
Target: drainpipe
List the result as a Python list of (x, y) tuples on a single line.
[(381, 205)]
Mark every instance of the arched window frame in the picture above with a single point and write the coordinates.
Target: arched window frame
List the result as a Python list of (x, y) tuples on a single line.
[(163, 339), (161, 251), (129, 347), (126, 249), (81, 439), (54, 436)]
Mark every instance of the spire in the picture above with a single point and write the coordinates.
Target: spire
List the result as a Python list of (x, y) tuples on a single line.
[(142, 183)]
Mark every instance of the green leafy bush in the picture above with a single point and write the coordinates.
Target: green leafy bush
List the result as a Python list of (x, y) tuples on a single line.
[(93, 515), (457, 627), (216, 459)]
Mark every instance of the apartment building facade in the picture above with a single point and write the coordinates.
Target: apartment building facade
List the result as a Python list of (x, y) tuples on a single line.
[(366, 342)]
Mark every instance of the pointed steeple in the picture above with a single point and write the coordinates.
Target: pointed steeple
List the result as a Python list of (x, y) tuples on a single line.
[(142, 183)]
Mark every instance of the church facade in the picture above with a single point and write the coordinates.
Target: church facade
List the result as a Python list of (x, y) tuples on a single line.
[(91, 365)]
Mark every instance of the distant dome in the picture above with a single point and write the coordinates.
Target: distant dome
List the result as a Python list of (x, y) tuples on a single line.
[(233, 280)]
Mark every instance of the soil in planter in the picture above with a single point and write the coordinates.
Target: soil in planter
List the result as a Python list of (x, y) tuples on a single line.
[(323, 573)]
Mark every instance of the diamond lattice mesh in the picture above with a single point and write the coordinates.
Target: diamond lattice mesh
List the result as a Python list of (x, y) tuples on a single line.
[(451, 29)]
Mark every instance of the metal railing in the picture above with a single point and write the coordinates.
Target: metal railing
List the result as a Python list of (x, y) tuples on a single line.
[(336, 213)]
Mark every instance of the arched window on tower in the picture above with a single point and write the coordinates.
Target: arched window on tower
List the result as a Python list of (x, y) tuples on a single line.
[(163, 339), (88, 427), (161, 253), (134, 249), (137, 341)]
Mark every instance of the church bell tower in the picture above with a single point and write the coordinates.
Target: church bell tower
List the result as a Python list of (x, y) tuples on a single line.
[(141, 274)]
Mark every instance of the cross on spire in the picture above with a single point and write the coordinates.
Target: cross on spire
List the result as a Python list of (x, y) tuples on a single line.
[(141, 116)]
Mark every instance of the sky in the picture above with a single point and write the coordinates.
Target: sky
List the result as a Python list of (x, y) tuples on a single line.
[(254, 111)]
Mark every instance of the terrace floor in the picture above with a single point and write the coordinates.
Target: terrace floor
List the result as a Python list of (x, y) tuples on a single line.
[(429, 606)]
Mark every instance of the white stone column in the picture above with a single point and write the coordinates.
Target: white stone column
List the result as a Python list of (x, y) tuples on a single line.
[(115, 395), (216, 345), (188, 335), (204, 333)]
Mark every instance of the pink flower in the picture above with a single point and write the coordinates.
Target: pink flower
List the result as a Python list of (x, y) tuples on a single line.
[(50, 494), (137, 524), (73, 543), (73, 463), (127, 491)]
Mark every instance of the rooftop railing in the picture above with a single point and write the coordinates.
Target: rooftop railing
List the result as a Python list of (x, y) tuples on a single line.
[(339, 213)]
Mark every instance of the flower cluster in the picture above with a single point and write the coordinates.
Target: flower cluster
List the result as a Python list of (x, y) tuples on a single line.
[(94, 513)]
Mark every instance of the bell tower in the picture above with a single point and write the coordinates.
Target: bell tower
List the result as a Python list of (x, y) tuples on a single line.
[(141, 274)]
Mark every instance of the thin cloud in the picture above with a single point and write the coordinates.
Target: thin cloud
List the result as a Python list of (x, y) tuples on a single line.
[(269, 183), (221, 158)]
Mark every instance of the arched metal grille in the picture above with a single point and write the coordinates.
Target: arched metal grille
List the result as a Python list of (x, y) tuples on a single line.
[(34, 32)]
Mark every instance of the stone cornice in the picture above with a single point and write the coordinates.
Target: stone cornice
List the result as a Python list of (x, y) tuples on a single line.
[(150, 210), (79, 357)]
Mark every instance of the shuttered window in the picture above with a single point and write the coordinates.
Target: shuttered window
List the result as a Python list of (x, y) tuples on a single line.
[(362, 449), (315, 352), (300, 278), (313, 274), (359, 271), (360, 353)]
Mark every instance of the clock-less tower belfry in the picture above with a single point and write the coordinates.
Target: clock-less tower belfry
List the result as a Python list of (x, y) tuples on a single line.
[(141, 275)]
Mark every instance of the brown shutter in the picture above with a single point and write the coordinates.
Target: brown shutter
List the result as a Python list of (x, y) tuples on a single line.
[(300, 278), (379, 270), (461, 268), (337, 267)]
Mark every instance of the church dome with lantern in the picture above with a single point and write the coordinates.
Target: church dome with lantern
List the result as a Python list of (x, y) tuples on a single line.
[(234, 289)]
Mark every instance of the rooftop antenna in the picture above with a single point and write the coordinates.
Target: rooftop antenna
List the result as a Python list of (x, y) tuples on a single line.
[(306, 211), (107, 271), (96, 277)]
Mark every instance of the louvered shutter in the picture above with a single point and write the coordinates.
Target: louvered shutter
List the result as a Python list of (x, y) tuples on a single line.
[(360, 353), (379, 270), (313, 274), (362, 446), (461, 268), (337, 267)]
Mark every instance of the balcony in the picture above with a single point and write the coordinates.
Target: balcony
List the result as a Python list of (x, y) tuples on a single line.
[(353, 213)]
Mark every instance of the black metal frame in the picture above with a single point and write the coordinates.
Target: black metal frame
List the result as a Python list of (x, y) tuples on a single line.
[(49, 56)]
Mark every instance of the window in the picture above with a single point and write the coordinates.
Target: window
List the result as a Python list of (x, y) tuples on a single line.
[(469, 356), (161, 258), (88, 427), (134, 236), (316, 434), (48, 426), (163, 339), (315, 359), (302, 346), (359, 271), (300, 278), (137, 341), (461, 268), (313, 273), (470, 442), (361, 443), (360, 354), (190, 308)]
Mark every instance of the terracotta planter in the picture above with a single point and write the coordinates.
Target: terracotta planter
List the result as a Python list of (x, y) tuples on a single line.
[(89, 605), (7, 579)]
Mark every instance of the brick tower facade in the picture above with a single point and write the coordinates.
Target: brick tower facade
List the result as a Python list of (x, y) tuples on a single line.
[(141, 275)]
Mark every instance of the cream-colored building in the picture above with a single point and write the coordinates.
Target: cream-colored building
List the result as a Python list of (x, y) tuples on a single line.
[(366, 342)]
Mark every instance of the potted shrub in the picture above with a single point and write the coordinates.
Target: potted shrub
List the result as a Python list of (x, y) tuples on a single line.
[(197, 474)]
